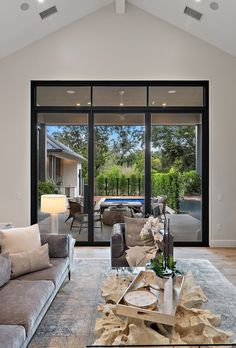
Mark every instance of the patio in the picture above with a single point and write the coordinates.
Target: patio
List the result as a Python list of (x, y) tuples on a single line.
[(184, 227)]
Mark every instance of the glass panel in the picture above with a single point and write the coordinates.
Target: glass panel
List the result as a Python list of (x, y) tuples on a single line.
[(177, 172), (119, 96), (63, 96), (175, 96), (119, 170), (63, 168)]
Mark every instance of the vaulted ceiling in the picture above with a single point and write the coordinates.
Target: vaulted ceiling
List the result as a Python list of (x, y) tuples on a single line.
[(19, 28)]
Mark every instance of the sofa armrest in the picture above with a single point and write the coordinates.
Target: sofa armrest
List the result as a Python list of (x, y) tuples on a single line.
[(117, 240), (71, 244), (60, 245)]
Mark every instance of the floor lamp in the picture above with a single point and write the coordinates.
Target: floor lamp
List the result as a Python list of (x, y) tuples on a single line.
[(53, 204)]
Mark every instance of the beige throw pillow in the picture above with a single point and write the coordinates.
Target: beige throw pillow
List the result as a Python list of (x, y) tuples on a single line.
[(16, 240), (133, 227), (29, 261)]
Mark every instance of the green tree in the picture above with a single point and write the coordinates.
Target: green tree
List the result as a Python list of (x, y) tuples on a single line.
[(126, 143), (175, 146), (76, 137)]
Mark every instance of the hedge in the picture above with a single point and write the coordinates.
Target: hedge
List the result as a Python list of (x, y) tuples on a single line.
[(173, 184), (167, 184)]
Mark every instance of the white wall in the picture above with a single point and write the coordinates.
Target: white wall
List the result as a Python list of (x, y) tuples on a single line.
[(108, 46), (70, 176)]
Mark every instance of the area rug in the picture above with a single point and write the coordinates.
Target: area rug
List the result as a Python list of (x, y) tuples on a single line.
[(70, 320)]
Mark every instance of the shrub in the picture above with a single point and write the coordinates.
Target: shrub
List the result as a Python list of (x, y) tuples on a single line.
[(142, 185), (114, 170), (167, 184), (47, 187), (100, 184), (190, 183), (111, 183), (123, 184), (133, 184)]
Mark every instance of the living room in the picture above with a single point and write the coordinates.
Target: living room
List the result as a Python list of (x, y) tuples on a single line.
[(132, 41)]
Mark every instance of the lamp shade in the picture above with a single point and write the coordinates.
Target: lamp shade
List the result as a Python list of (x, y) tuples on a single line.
[(53, 204)]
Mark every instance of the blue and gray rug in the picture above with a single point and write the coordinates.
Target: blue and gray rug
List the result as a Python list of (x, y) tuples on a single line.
[(70, 320)]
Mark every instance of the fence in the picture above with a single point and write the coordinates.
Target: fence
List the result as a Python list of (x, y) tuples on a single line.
[(174, 185), (119, 186)]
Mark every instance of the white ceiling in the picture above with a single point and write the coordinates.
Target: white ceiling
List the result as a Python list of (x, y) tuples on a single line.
[(18, 28)]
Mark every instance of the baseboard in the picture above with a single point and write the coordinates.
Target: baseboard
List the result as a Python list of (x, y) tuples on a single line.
[(222, 243)]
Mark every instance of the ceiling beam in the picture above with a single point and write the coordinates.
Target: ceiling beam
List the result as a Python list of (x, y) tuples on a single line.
[(120, 6)]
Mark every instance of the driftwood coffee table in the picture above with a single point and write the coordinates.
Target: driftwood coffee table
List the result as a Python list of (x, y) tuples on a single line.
[(193, 324)]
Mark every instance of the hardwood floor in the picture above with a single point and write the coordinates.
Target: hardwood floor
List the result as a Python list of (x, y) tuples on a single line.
[(224, 259)]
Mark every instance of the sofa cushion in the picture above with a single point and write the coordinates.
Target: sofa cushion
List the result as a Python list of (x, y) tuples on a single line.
[(133, 227), (54, 273), (5, 269), (29, 261), (58, 244), (11, 336), (22, 301), (16, 240)]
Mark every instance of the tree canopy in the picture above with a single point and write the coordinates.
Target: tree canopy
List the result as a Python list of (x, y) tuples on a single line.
[(173, 147)]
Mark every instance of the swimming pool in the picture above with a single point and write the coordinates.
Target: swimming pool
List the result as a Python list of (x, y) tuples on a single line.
[(124, 200)]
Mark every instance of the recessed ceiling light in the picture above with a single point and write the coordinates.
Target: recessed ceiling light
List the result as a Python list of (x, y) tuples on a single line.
[(78, 104), (153, 102), (198, 0), (214, 5), (163, 104), (24, 6), (41, 1), (172, 91), (121, 104), (89, 103), (70, 91)]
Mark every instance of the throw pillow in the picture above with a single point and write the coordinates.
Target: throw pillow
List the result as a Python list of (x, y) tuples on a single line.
[(133, 227), (156, 209), (29, 261), (5, 268), (16, 240)]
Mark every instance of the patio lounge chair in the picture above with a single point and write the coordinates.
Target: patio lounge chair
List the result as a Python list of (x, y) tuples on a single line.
[(76, 212)]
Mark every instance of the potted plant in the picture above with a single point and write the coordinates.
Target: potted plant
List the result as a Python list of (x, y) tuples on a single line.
[(164, 269)]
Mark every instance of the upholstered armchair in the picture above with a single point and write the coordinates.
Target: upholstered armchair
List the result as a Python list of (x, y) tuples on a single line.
[(118, 246)]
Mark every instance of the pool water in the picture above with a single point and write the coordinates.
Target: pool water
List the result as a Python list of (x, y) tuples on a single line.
[(191, 207), (124, 200)]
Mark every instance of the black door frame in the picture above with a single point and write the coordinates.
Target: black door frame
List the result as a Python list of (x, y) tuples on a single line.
[(147, 111)]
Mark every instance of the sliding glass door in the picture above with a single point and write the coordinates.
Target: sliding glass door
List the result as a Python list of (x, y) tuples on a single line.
[(118, 170), (115, 148), (177, 171), (63, 168)]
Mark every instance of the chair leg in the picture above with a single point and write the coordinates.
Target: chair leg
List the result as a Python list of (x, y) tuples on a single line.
[(69, 275), (81, 223), (68, 218), (71, 224)]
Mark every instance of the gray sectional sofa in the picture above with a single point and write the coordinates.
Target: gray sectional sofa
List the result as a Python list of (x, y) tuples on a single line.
[(25, 300)]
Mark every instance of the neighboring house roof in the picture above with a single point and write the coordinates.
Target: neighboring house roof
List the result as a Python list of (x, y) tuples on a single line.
[(56, 147)]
